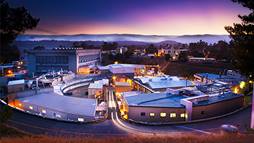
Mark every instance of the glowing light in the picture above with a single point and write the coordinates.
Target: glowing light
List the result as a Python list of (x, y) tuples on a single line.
[(114, 78), (242, 84), (250, 81), (9, 71), (236, 90), (125, 116), (152, 114), (129, 81), (163, 114), (172, 115), (116, 62), (81, 119), (43, 111), (31, 107), (118, 94)]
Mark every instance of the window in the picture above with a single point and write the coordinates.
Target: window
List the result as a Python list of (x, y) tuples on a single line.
[(152, 114), (183, 115), (172, 115), (163, 114), (142, 113)]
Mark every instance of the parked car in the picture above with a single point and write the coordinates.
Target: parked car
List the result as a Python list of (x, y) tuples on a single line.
[(229, 128)]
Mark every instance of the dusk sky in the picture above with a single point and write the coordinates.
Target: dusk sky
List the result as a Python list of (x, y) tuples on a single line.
[(148, 17)]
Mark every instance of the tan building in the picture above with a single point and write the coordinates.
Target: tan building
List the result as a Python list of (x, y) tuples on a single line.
[(168, 108)]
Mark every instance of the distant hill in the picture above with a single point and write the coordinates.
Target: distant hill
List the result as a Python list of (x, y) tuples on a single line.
[(126, 38)]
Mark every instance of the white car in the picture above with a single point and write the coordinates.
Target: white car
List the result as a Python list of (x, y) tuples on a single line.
[(229, 128)]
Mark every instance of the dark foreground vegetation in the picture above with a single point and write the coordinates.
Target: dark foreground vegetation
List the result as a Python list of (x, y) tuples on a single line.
[(221, 138), (187, 69)]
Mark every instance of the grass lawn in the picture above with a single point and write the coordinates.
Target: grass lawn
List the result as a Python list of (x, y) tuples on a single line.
[(10, 132)]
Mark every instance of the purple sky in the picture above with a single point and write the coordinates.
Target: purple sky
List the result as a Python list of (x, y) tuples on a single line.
[(155, 17)]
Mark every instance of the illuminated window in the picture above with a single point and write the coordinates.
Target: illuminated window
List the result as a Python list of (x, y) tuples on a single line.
[(31, 107), (142, 113), (81, 119), (43, 111), (183, 115), (172, 115), (163, 114), (152, 114)]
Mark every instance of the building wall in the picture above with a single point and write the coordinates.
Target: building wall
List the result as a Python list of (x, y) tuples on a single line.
[(88, 57), (123, 88), (41, 61), (219, 108), (199, 112), (92, 92), (50, 113), (16, 88), (134, 113)]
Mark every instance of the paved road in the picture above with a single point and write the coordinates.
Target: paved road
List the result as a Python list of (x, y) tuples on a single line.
[(117, 127)]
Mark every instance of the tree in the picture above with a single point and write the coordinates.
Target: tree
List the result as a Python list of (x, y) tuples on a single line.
[(242, 35), (39, 48), (109, 46), (5, 113), (183, 57), (151, 49), (13, 21), (220, 51), (198, 49), (167, 57)]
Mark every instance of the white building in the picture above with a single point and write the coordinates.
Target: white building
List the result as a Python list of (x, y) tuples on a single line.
[(16, 85), (71, 59), (96, 88)]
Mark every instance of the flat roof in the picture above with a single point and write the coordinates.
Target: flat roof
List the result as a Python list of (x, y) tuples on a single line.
[(164, 81), (172, 100), (16, 82), (155, 100), (130, 93), (121, 68), (210, 76), (219, 98), (67, 104), (96, 85), (223, 78)]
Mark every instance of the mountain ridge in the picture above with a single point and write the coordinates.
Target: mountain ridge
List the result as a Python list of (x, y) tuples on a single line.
[(210, 38)]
